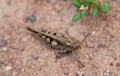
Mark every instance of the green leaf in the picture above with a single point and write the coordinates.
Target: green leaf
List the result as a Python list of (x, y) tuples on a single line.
[(77, 16), (94, 4), (104, 7), (83, 13), (94, 10), (84, 2), (89, 1), (76, 3)]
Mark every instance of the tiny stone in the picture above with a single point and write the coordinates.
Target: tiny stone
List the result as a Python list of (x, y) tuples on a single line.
[(79, 73), (7, 68), (4, 49), (31, 18), (93, 33), (22, 70), (3, 43), (107, 73), (24, 39)]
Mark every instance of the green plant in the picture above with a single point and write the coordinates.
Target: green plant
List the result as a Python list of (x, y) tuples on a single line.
[(83, 6)]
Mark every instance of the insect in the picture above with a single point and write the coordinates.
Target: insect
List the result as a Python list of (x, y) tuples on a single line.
[(58, 40)]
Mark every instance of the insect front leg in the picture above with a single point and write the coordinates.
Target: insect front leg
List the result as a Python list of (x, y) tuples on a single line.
[(75, 56)]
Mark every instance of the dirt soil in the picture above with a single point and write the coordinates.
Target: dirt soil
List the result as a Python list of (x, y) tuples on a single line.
[(21, 54)]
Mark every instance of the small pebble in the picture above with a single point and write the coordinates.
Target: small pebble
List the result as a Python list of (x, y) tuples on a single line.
[(3, 43), (79, 73), (93, 33), (24, 39), (7, 68), (107, 73), (22, 70), (31, 18), (27, 38), (4, 49)]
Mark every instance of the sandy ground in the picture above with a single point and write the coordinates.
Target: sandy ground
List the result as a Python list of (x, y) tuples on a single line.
[(21, 54)]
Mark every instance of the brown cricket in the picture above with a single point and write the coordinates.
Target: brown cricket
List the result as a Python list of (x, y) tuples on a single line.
[(58, 40)]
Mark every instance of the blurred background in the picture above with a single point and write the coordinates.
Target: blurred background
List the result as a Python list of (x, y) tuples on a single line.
[(21, 54)]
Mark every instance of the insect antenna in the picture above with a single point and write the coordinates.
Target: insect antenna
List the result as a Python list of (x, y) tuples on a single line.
[(28, 28), (84, 38)]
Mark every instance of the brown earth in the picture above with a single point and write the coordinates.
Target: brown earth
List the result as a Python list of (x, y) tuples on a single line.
[(21, 54)]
